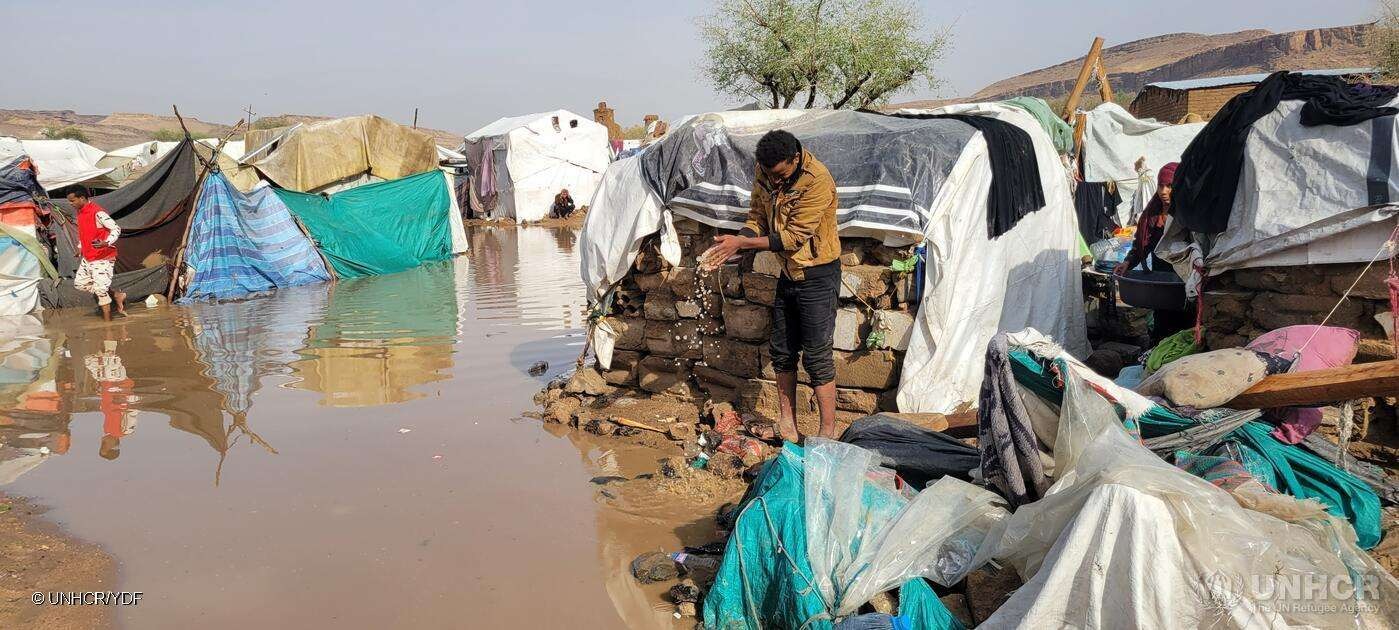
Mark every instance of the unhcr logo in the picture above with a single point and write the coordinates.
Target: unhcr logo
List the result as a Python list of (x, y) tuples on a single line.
[(1293, 593)]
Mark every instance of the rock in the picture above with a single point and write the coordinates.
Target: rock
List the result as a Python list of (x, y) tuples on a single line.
[(957, 605), (726, 465), (606, 479), (730, 281), (681, 431), (688, 309), (648, 260), (674, 339), (987, 588), (623, 370), (851, 328), (1276, 310), (883, 602), (1371, 287), (659, 374), (904, 286), (884, 255), (599, 426), (648, 282), (708, 375), (1104, 362), (732, 356), (852, 253), (538, 368), (586, 380), (654, 566), (865, 282), (750, 322), (761, 396), (630, 332), (561, 410), (687, 226), (672, 467), (660, 306), (681, 281), (877, 369), (685, 591), (759, 289), (898, 329), (685, 609), (767, 263), (856, 400)]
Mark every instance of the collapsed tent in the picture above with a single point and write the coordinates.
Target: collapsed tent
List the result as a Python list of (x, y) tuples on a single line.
[(23, 259), (380, 228), (908, 180), (241, 244), (518, 164), (1298, 171), (153, 213), (312, 157), (63, 163), (1113, 141)]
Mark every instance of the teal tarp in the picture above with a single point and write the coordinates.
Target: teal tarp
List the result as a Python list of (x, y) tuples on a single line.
[(379, 228), (1299, 472), (1060, 131), (766, 580)]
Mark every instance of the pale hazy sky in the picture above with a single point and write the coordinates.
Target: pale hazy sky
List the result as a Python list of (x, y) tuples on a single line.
[(467, 62)]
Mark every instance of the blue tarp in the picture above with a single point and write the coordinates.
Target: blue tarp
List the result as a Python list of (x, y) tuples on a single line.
[(241, 244)]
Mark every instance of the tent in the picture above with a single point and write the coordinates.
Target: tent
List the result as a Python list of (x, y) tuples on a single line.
[(153, 212), (518, 164), (380, 228), (316, 156), (240, 244), (23, 260), (898, 179), (64, 163), (1113, 140)]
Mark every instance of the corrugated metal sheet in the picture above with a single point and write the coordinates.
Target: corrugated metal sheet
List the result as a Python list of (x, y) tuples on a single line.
[(1238, 79)]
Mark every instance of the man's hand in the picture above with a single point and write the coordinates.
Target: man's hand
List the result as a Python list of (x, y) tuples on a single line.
[(1120, 269), (725, 247)]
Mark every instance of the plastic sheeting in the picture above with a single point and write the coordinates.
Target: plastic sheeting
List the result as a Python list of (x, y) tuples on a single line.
[(976, 287), (315, 155), (20, 275), (1114, 140), (624, 211), (379, 228), (246, 244), (1124, 539), (63, 162), (525, 160)]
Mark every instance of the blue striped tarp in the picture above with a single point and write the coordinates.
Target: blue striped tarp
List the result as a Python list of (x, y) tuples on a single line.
[(241, 244)]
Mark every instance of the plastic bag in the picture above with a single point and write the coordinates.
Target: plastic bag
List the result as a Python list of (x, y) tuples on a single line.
[(1111, 250)]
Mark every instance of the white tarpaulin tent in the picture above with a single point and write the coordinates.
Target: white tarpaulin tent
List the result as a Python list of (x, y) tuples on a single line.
[(1114, 140), (63, 162), (524, 161), (1307, 195), (976, 286)]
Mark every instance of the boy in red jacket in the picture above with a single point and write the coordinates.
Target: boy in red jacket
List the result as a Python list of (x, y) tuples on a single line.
[(97, 235)]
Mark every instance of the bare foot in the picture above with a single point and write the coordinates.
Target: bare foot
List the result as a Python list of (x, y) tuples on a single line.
[(120, 298), (771, 433)]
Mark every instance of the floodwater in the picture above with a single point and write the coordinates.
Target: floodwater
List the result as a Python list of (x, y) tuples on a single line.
[(348, 455)]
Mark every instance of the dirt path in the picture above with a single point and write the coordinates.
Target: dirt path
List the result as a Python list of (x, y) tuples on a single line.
[(36, 557)]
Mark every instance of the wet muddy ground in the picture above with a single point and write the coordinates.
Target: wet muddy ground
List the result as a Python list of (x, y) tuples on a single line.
[(349, 455)]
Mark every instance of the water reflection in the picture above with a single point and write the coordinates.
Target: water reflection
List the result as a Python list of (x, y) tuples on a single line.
[(34, 423)]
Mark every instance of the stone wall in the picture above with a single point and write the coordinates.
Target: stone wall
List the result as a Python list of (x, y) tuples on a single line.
[(1240, 305), (693, 335)]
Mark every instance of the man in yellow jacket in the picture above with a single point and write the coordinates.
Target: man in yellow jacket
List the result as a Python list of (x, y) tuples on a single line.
[(793, 213)]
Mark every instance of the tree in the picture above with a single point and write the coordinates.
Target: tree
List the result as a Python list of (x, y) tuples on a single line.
[(850, 53), (168, 135), (1383, 42), (64, 133)]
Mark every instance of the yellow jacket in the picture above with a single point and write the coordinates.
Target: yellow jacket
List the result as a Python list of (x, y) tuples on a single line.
[(798, 215)]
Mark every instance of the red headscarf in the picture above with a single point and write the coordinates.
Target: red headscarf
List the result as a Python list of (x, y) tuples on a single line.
[(1167, 174)]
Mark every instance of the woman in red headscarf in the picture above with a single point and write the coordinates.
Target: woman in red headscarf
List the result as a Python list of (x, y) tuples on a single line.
[(1152, 223)]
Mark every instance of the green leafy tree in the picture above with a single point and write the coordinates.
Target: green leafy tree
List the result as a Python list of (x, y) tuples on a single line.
[(796, 53), (168, 135), (64, 133), (1383, 42)]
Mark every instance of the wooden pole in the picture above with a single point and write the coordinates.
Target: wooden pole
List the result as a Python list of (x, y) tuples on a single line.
[(1084, 73), (1080, 124), (193, 198), (1104, 87), (415, 118), (1317, 387)]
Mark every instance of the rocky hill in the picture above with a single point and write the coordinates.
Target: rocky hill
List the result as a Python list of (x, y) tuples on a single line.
[(112, 131), (1179, 56)]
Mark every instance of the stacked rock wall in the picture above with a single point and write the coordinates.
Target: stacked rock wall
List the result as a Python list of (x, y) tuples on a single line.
[(1240, 305), (694, 335)]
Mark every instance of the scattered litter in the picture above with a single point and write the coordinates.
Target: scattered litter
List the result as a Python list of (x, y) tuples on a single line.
[(404, 430)]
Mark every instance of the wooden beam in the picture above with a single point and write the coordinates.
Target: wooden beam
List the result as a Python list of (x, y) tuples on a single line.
[(1080, 124), (1319, 387), (1089, 63), (1104, 87)]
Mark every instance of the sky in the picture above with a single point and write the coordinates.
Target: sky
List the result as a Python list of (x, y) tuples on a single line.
[(464, 63)]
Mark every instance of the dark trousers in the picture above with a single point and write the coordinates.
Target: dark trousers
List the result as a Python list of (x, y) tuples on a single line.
[(804, 321)]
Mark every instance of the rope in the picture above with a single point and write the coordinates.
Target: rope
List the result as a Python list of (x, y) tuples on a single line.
[(1388, 244)]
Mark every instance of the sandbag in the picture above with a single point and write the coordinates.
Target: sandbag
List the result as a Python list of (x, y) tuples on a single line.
[(1206, 380)]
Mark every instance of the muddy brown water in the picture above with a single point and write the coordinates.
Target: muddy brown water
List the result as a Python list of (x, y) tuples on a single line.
[(348, 455)]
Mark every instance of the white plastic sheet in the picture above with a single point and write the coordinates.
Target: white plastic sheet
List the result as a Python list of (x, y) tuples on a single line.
[(1114, 140), (624, 211), (62, 162), (542, 158)]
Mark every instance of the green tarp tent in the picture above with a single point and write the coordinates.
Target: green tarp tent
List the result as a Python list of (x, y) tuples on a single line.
[(379, 228)]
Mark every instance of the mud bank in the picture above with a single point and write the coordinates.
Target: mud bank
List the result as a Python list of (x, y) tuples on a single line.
[(36, 557)]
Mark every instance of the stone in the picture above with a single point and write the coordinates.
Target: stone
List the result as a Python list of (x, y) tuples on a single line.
[(864, 282), (648, 282), (630, 333), (876, 369), (767, 263), (561, 410), (686, 226), (586, 380), (685, 609), (660, 306), (898, 329), (681, 431), (654, 566), (759, 289), (648, 260), (731, 281), (732, 356), (685, 591), (674, 339), (761, 396), (883, 255), (1276, 310), (659, 375), (852, 252), (706, 374), (681, 281), (766, 370), (850, 330), (623, 370), (987, 589), (688, 309), (957, 605), (1371, 287), (673, 467), (1105, 362), (856, 400), (750, 322), (1299, 280), (600, 426), (904, 289), (725, 465)]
